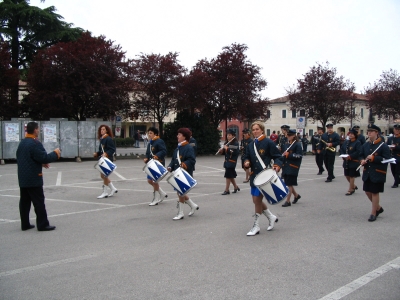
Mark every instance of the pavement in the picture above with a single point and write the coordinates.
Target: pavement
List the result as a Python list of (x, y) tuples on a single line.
[(323, 247)]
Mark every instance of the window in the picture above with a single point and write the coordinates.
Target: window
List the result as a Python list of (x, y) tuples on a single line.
[(293, 113), (310, 132), (362, 113), (268, 114), (302, 112), (283, 113), (268, 132)]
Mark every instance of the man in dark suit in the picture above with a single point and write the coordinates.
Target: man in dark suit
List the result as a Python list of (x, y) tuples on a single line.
[(328, 150), (360, 137), (31, 157), (319, 157)]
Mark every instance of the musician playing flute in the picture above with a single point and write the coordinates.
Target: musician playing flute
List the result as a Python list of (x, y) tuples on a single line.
[(291, 157), (267, 151), (183, 157), (231, 151), (156, 150), (351, 148), (328, 150), (394, 145), (106, 149), (372, 154)]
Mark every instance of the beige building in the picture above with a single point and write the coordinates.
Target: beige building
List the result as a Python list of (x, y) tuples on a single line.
[(280, 114)]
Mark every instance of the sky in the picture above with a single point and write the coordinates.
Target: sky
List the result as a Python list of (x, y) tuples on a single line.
[(360, 38)]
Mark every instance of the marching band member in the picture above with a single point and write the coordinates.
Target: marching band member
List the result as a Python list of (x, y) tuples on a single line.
[(291, 165), (360, 137), (183, 157), (352, 148), (157, 150), (319, 157), (267, 151), (231, 151), (372, 154), (328, 150), (245, 141), (106, 149), (394, 144), (282, 137)]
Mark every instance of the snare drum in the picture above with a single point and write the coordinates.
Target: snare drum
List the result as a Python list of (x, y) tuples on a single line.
[(181, 181), (155, 170), (271, 186), (105, 166)]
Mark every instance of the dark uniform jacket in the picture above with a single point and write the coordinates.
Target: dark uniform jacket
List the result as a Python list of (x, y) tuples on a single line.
[(108, 146), (375, 170), (353, 149), (243, 147), (315, 141), (187, 157), (291, 163), (281, 141), (158, 148), (30, 157), (395, 140), (361, 138), (333, 138), (231, 155), (267, 151)]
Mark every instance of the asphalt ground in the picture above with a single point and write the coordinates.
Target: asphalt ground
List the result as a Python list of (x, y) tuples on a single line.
[(323, 247)]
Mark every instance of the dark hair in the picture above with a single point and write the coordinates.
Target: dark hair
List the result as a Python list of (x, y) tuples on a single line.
[(108, 130), (153, 129), (31, 126), (185, 132)]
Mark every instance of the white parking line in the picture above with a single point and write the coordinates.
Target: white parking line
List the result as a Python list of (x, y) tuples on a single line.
[(119, 175), (58, 182), (46, 265), (363, 280)]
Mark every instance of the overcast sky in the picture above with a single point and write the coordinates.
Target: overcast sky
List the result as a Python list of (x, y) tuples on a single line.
[(360, 38)]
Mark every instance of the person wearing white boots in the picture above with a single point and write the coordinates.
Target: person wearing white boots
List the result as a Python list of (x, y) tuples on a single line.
[(266, 151), (106, 149), (157, 150), (183, 157)]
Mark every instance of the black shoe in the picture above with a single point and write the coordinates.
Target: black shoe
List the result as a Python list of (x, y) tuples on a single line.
[(319, 173), (372, 218), (27, 228), (356, 188), (328, 180), (286, 204), (296, 199), (47, 228), (333, 177), (395, 186), (378, 212), (236, 190), (225, 193)]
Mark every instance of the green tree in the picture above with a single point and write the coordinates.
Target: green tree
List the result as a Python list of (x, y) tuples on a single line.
[(205, 133), (27, 29)]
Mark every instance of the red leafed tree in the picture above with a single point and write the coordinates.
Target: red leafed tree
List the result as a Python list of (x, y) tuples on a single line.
[(384, 95), (87, 78), (323, 95), (231, 87), (157, 78), (8, 75)]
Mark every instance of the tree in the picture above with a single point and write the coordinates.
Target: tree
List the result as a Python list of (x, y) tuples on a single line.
[(87, 78), (323, 95), (156, 78), (206, 135), (384, 95), (27, 29), (233, 86), (7, 77)]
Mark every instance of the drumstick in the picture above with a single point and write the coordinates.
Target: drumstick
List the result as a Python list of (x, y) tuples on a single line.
[(370, 154)]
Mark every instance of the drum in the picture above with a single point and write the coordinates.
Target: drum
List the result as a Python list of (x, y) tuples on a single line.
[(105, 166), (155, 170), (181, 181), (271, 186)]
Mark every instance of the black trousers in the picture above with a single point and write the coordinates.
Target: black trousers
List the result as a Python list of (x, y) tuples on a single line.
[(319, 159), (395, 168), (35, 196), (329, 161)]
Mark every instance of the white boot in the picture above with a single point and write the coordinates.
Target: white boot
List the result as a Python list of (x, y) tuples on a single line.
[(180, 215), (113, 189), (193, 207), (256, 228), (271, 218), (104, 194), (156, 199), (163, 194)]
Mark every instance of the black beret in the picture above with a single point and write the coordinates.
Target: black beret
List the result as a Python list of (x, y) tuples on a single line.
[(285, 127), (291, 132), (372, 127), (246, 130), (231, 131), (397, 126), (329, 125), (356, 127)]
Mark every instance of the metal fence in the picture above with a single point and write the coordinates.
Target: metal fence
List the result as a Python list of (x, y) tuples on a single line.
[(74, 138)]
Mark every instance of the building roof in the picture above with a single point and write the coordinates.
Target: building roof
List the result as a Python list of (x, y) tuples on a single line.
[(284, 99)]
